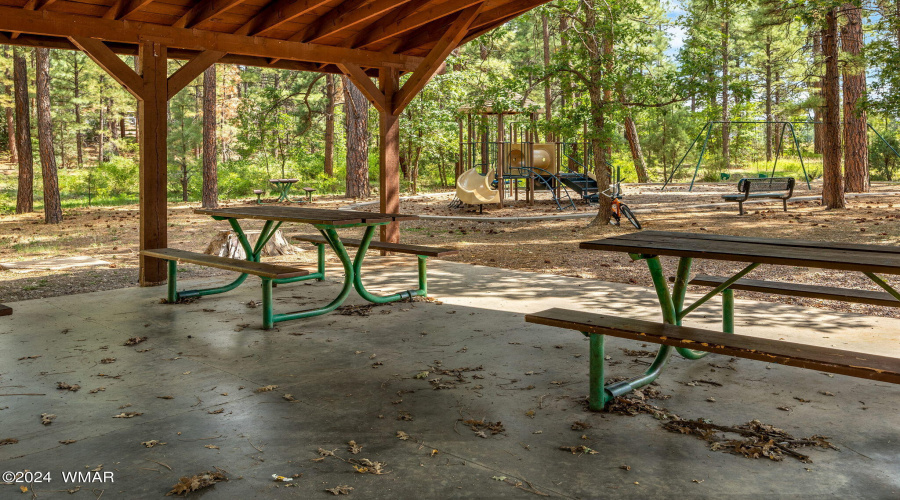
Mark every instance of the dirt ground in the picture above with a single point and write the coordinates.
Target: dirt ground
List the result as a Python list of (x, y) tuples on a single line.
[(550, 246)]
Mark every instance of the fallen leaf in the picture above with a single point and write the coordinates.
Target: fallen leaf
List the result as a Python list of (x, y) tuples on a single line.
[(403, 436), (152, 443), (216, 412), (267, 388), (211, 447), (579, 450), (128, 414), (288, 397), (580, 426), (66, 387), (353, 447), (68, 441), (107, 361), (135, 340), (99, 389), (47, 418), (8, 441), (196, 482), (340, 490)]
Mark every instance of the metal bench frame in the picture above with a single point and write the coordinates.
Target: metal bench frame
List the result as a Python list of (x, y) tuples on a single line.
[(776, 188)]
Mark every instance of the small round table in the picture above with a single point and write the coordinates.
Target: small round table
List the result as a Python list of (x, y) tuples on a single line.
[(284, 185)]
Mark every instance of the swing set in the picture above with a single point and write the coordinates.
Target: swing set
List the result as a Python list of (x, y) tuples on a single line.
[(708, 128)]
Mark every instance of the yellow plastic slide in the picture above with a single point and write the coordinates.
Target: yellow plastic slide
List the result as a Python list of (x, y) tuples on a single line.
[(472, 188)]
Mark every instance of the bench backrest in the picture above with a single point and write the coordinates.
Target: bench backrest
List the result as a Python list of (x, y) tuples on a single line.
[(765, 185)]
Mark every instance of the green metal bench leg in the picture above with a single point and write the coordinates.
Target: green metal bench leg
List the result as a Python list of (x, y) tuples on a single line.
[(728, 310), (383, 299), (423, 275), (172, 295), (598, 396), (267, 305)]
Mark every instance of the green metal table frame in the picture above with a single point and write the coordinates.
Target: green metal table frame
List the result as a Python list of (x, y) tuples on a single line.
[(352, 272), (673, 312), (283, 188)]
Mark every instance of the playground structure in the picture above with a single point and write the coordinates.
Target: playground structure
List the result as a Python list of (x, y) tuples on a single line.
[(777, 147), (508, 158)]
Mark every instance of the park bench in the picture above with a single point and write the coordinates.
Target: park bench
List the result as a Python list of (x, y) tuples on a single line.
[(422, 252), (799, 290), (5, 310), (266, 272), (777, 188), (826, 359)]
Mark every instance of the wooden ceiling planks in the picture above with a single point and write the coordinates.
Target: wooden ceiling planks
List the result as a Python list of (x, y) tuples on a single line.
[(369, 25)]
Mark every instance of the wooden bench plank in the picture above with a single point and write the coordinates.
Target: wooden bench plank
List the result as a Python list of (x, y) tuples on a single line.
[(854, 364), (5, 310), (800, 290), (379, 245), (261, 269)]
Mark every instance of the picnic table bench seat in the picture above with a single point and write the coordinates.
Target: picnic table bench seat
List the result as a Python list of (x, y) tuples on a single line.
[(318, 239), (870, 297), (826, 359), (778, 188), (267, 272), (5, 310)]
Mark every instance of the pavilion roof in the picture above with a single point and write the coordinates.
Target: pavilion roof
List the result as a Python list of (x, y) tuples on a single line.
[(314, 35)]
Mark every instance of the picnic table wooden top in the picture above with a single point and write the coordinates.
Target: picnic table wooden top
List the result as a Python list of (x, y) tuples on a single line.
[(304, 215), (283, 181), (787, 252)]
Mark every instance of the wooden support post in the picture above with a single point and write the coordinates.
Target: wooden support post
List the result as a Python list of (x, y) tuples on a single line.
[(389, 153), (153, 125), (501, 185)]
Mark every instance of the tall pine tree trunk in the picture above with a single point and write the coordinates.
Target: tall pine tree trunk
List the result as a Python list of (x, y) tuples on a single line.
[(52, 206), (210, 195), (856, 141), (329, 125), (818, 92), (25, 193), (832, 180), (726, 126), (76, 92), (601, 50), (634, 144), (11, 128), (768, 96), (548, 96), (356, 111)]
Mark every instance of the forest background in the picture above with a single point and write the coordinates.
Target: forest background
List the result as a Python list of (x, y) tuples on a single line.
[(626, 83)]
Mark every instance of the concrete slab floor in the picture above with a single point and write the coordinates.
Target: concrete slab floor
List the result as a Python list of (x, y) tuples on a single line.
[(354, 378)]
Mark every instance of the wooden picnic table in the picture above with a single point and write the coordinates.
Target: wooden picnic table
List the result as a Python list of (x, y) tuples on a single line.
[(327, 221), (869, 260), (284, 185)]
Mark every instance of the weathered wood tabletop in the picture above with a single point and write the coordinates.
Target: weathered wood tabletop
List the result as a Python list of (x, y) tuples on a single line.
[(303, 215), (787, 252)]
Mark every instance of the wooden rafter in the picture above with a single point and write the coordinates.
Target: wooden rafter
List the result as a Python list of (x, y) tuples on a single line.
[(350, 19), (414, 21), (191, 70), (59, 24), (204, 11), (33, 5), (394, 16), (433, 62), (277, 13), (366, 86), (110, 62), (121, 9)]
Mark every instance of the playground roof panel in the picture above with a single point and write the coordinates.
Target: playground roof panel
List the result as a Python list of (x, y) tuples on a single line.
[(315, 35)]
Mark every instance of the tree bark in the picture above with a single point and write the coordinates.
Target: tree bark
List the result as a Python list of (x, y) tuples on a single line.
[(25, 193), (52, 206), (597, 96), (726, 126), (10, 118), (818, 111), (769, 97), (329, 125), (856, 141), (637, 154), (548, 96), (356, 111), (76, 92), (832, 180), (210, 195)]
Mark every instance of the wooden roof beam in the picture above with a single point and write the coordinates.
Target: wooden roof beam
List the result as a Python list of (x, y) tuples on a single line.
[(33, 5), (365, 85), (347, 19), (434, 61), (98, 52), (54, 23), (204, 11), (405, 11), (124, 8), (277, 13), (413, 21), (485, 22), (191, 70)]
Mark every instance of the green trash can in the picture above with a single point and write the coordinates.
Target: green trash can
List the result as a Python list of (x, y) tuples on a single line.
[(762, 176), (724, 176)]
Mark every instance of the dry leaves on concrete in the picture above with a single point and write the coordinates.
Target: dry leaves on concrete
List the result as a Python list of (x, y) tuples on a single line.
[(340, 490), (7, 441), (402, 436), (353, 447), (47, 418), (267, 388), (128, 414), (68, 441), (196, 482), (107, 361), (135, 340), (66, 387), (152, 443), (480, 426), (579, 450)]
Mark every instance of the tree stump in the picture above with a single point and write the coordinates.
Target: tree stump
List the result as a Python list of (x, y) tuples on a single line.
[(226, 244)]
